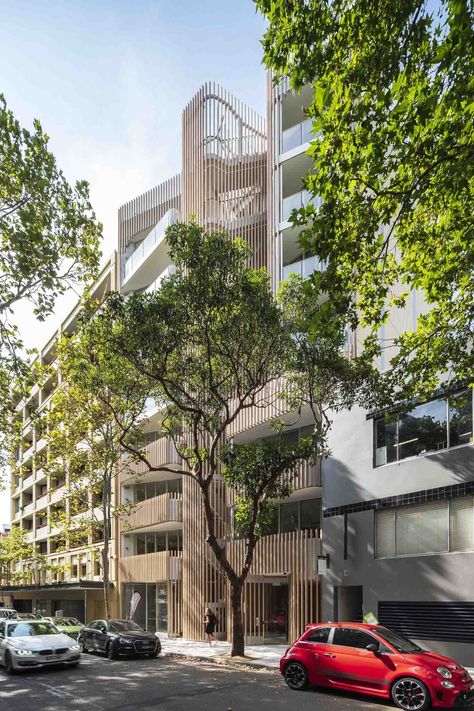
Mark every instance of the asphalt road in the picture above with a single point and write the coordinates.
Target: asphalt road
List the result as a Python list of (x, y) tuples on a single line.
[(164, 684)]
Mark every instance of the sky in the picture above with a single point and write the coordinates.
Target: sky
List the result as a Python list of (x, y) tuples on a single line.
[(108, 80)]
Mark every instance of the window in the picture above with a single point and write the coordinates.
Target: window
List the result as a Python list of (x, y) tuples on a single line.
[(158, 542), (310, 514), (434, 527), (430, 427), (347, 637), (289, 516), (140, 544), (157, 488), (320, 635)]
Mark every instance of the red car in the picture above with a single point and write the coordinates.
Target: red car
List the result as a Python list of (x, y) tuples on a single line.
[(371, 659)]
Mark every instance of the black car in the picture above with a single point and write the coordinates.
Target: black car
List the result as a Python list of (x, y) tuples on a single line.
[(118, 637)]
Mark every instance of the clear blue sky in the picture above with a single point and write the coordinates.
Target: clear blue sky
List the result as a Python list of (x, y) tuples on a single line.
[(108, 79)]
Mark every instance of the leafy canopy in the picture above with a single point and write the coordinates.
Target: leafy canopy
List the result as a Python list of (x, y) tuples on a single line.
[(49, 239), (392, 112)]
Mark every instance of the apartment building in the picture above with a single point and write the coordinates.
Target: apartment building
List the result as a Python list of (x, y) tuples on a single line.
[(76, 589), (225, 183)]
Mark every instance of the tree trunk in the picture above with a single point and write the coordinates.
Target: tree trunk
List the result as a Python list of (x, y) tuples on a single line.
[(238, 643), (106, 577)]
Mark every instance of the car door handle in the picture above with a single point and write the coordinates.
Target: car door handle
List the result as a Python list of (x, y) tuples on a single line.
[(327, 654)]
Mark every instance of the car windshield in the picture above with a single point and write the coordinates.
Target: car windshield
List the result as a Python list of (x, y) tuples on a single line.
[(30, 629), (124, 626), (401, 644)]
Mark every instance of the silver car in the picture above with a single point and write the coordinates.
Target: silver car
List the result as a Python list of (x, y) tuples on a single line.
[(34, 643)]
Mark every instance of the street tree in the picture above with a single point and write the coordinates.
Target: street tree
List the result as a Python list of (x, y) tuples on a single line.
[(96, 412), (21, 561), (393, 162), (49, 239), (213, 343)]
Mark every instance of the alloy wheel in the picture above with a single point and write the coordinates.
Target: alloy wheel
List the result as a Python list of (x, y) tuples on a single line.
[(295, 676), (410, 694)]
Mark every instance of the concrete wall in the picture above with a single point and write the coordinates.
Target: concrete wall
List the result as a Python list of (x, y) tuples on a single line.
[(349, 477)]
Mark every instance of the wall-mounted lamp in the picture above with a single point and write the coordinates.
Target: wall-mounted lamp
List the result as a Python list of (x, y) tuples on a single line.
[(323, 564)]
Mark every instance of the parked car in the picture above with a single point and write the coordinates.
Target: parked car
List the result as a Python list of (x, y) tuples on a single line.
[(118, 637), (371, 659), (34, 643), (68, 625), (8, 613), (29, 616)]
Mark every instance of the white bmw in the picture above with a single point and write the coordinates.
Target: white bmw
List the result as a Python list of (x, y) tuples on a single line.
[(35, 643)]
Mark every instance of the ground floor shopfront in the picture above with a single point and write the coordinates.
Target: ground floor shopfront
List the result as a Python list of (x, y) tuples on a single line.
[(83, 599)]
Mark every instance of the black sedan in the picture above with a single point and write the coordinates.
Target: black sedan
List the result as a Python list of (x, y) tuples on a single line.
[(118, 637)]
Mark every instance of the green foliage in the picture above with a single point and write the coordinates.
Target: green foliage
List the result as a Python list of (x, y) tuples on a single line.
[(21, 561), (392, 112), (49, 240), (96, 412)]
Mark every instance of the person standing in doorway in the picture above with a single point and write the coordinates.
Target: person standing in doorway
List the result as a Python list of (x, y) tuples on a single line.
[(210, 621)]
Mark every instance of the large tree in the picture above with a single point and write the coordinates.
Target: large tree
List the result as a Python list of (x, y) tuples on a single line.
[(96, 411), (49, 238), (21, 560), (393, 155), (214, 343)]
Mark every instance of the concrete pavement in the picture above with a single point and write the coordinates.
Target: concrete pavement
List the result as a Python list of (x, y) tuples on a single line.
[(263, 655), (165, 684)]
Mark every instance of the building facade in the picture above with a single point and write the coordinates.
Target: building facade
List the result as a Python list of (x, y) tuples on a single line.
[(76, 589), (225, 184)]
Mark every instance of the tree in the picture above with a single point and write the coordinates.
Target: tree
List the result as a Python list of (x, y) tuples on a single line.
[(22, 561), (95, 413), (49, 238), (210, 342), (393, 165)]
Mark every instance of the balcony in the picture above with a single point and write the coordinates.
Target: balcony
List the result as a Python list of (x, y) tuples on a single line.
[(297, 135), (41, 502), (58, 494), (159, 509), (149, 568), (295, 202), (28, 509), (28, 482), (303, 267), (42, 532), (157, 283), (160, 452), (30, 537), (150, 256)]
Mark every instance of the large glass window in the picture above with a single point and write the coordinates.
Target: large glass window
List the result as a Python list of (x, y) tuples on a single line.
[(430, 427), (294, 516), (157, 488), (434, 527), (289, 516)]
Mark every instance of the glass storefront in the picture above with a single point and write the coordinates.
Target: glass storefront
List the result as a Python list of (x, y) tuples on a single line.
[(151, 611)]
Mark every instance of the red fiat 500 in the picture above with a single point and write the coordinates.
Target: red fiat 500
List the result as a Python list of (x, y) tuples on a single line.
[(371, 659)]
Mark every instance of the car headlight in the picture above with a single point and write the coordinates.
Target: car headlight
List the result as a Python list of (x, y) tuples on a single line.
[(125, 641), (445, 673), (75, 647), (23, 652)]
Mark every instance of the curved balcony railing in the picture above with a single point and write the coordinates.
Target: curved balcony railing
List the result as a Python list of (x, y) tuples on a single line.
[(303, 267)]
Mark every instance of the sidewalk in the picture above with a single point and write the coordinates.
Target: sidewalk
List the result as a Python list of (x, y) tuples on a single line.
[(259, 655)]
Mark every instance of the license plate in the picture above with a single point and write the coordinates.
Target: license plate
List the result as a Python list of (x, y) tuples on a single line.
[(53, 656)]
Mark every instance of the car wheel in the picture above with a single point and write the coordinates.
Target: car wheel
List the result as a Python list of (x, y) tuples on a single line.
[(110, 651), (9, 668), (411, 694), (153, 655), (84, 647), (296, 676)]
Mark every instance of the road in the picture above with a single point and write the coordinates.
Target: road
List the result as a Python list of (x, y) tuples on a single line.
[(164, 684)]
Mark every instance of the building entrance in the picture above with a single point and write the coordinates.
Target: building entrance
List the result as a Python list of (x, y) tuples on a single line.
[(266, 610)]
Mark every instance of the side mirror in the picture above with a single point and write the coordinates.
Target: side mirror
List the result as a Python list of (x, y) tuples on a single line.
[(372, 648)]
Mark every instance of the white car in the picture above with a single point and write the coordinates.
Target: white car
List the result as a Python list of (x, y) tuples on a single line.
[(35, 643), (8, 613)]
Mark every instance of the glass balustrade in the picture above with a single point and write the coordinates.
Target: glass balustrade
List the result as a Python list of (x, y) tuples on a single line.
[(296, 202), (297, 135), (154, 237), (303, 267)]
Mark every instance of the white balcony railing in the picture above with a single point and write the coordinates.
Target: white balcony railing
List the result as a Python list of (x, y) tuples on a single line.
[(296, 135), (144, 247), (303, 267), (295, 202)]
